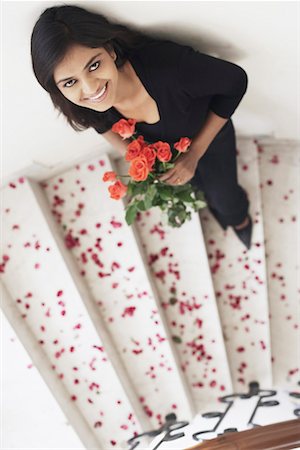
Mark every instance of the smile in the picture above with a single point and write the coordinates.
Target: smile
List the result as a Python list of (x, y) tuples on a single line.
[(100, 96)]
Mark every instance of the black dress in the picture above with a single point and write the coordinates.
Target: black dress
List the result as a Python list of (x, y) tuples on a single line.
[(186, 84)]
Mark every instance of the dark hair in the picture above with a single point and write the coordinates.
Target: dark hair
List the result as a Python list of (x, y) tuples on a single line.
[(60, 27)]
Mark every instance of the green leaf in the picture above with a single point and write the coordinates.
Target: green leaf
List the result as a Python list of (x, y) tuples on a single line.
[(177, 339), (182, 216), (147, 202), (182, 188), (131, 214), (180, 206), (168, 165), (200, 196), (157, 201), (185, 196), (139, 187), (165, 192), (198, 204), (171, 213), (141, 206), (152, 190), (148, 199), (129, 189)]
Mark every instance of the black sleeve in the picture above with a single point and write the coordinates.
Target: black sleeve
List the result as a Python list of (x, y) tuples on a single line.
[(101, 130), (200, 75)]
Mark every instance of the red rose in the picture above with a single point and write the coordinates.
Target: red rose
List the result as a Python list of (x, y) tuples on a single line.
[(125, 128), (139, 169), (164, 153), (183, 144), (141, 140), (133, 150), (117, 190), (150, 154), (109, 176)]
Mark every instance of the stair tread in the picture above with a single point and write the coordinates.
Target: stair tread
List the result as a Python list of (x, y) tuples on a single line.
[(172, 354), (188, 301), (239, 278), (66, 340), (279, 176)]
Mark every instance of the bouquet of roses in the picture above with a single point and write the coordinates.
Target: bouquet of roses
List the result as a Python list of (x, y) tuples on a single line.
[(144, 188)]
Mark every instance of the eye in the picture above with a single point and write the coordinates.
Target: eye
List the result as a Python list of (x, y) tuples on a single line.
[(94, 66), (67, 84)]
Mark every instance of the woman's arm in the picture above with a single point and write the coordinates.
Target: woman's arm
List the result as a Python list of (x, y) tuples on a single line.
[(116, 141), (186, 164), (207, 133)]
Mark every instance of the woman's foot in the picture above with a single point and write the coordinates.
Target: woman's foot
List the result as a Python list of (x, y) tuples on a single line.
[(244, 231)]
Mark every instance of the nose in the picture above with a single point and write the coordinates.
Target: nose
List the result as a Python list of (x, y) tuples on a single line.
[(89, 87)]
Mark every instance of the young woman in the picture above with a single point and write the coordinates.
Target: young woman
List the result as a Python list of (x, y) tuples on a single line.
[(97, 72)]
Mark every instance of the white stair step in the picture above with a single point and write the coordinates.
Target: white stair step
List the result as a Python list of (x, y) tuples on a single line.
[(180, 271), (67, 339), (239, 278), (279, 175), (118, 282)]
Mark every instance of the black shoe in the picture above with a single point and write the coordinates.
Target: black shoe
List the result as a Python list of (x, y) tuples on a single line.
[(217, 217), (245, 233)]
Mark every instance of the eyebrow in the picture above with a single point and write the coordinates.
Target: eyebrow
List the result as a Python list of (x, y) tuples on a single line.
[(87, 64)]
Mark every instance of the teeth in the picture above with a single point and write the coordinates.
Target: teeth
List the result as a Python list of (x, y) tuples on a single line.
[(99, 95)]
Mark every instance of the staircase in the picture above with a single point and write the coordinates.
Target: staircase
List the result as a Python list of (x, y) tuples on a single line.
[(136, 328)]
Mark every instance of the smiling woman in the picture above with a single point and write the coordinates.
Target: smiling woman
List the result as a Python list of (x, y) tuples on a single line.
[(98, 72), (81, 59), (89, 87)]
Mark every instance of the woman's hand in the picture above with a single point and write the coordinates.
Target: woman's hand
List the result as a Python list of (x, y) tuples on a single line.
[(183, 170)]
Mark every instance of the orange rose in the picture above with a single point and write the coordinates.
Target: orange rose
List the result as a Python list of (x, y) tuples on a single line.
[(125, 128), (183, 144), (139, 169), (109, 176), (164, 153), (133, 150), (141, 140), (150, 154), (117, 190)]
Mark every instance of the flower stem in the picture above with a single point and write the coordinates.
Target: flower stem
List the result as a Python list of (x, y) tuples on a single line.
[(178, 153)]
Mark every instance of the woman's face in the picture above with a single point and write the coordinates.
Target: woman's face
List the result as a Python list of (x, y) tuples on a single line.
[(88, 77)]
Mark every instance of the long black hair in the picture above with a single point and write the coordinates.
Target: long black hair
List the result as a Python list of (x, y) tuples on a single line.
[(60, 27)]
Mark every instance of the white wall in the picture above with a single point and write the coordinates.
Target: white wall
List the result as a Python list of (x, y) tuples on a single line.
[(259, 36)]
